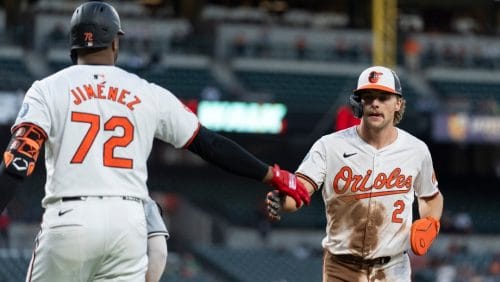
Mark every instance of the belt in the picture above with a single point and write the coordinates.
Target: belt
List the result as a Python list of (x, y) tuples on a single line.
[(83, 198), (357, 260)]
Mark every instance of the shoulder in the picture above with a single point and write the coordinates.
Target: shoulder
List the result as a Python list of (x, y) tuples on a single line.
[(411, 140), (341, 135), (129, 76), (57, 76), (150, 87)]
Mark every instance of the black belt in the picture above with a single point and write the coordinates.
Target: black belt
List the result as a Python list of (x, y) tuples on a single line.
[(357, 260), (83, 198)]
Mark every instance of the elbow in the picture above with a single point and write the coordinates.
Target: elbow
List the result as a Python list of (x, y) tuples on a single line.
[(160, 255), (157, 250)]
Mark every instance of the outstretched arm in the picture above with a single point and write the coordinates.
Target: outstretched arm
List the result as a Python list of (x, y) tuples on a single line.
[(226, 154), (8, 186), (233, 158)]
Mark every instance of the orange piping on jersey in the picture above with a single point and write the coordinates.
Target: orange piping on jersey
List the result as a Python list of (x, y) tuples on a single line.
[(430, 196), (350, 198), (308, 179), (192, 137)]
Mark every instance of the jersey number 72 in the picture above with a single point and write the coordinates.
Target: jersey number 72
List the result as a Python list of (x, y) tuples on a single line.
[(108, 147)]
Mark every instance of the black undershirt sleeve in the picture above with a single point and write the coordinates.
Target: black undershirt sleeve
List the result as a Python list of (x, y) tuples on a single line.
[(8, 186), (227, 155)]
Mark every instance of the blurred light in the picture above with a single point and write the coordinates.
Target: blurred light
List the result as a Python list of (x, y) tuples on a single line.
[(242, 117)]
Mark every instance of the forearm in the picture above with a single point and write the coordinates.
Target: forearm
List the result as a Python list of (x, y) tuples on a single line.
[(157, 258), (8, 186), (431, 206), (289, 203), (229, 156), (19, 159)]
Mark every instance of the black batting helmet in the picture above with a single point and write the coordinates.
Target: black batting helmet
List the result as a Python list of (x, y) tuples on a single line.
[(93, 25)]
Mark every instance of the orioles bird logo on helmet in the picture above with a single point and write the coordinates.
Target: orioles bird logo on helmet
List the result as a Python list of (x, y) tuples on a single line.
[(374, 76)]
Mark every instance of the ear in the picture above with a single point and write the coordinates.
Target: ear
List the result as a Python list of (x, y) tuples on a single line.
[(398, 104), (115, 44)]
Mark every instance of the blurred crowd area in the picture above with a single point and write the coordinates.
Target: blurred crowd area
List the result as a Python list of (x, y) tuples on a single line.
[(306, 55), (448, 34)]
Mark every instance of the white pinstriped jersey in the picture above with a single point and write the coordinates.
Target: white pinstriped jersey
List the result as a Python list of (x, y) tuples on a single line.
[(368, 193), (101, 122)]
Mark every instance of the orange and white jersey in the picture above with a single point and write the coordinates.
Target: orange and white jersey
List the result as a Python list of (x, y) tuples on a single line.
[(101, 122), (368, 193)]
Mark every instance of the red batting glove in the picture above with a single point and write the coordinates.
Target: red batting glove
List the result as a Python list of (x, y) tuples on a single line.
[(288, 184)]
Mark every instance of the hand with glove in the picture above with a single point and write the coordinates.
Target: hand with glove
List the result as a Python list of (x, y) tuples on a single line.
[(423, 232), (274, 203), (287, 183)]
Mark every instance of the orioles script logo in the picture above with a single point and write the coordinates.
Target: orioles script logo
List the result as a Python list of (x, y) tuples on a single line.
[(356, 185)]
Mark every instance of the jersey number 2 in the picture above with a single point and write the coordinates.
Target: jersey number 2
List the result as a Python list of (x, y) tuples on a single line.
[(399, 207), (109, 146)]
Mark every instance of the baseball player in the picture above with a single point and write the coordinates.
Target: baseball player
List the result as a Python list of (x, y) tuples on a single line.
[(98, 123), (157, 241), (369, 174)]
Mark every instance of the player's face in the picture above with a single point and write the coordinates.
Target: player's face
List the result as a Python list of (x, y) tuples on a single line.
[(379, 108)]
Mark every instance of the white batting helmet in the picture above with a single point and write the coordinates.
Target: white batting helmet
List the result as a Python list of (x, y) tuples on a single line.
[(379, 78)]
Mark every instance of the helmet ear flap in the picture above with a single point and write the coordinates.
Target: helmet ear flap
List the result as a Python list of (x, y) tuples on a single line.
[(356, 105)]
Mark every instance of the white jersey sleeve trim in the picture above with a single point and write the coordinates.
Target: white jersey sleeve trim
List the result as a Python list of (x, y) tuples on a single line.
[(158, 233)]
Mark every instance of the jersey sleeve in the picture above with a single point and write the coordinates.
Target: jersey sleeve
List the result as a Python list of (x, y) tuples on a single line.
[(177, 124), (313, 167), (154, 221), (426, 184), (34, 109)]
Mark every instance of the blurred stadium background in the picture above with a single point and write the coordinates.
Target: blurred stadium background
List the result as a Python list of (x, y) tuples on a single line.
[(274, 76)]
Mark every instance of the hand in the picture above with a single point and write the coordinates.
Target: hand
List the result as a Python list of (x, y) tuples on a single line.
[(274, 203), (288, 184), (423, 232)]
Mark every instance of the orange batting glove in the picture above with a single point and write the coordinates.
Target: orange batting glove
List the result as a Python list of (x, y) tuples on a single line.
[(423, 232)]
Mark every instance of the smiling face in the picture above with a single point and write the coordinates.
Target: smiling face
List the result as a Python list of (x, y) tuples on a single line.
[(379, 108)]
